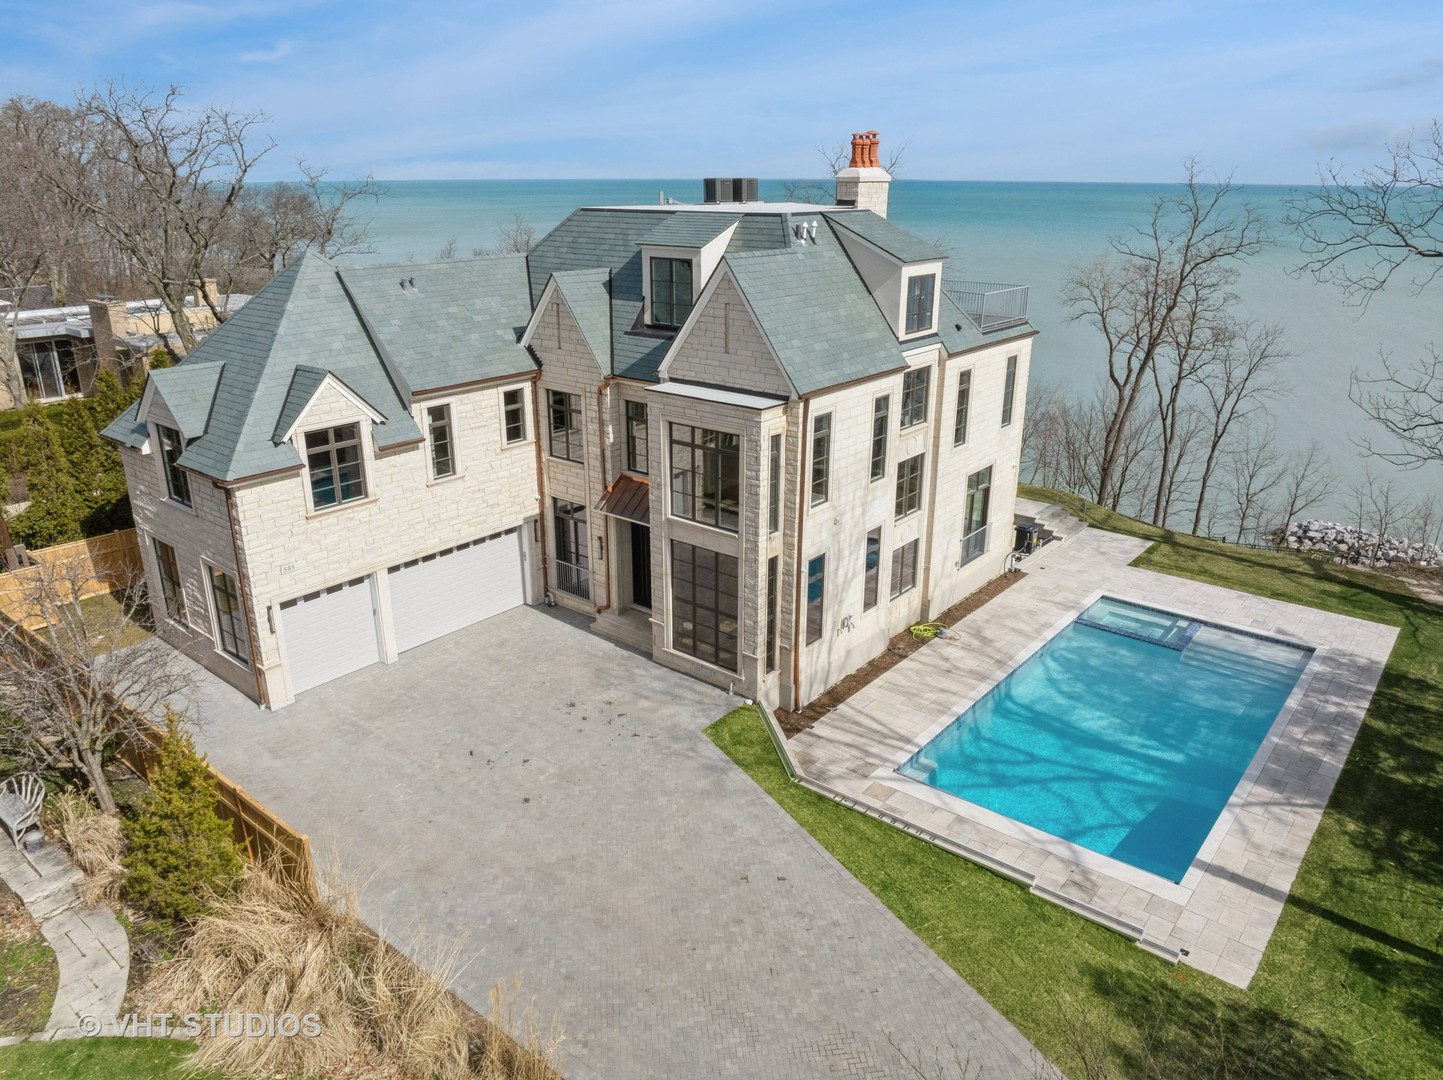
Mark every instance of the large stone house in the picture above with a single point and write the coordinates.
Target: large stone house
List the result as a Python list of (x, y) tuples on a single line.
[(754, 439)]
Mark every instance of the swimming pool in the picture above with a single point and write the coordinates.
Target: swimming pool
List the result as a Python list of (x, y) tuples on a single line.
[(1125, 734)]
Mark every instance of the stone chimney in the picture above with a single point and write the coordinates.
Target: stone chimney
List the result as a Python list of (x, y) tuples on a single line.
[(863, 183)]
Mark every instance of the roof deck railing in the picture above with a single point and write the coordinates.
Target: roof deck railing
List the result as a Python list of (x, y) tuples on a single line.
[(989, 304)]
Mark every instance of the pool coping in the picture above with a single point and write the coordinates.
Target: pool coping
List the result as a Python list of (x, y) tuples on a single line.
[(1220, 916)]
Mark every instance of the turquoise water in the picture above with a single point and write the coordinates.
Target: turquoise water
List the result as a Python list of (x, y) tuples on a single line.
[(1027, 233), (1125, 734)]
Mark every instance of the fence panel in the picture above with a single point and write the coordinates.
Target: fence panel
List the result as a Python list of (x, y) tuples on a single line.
[(100, 564)]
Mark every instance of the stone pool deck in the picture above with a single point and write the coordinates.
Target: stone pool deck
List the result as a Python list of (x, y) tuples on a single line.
[(1220, 916)]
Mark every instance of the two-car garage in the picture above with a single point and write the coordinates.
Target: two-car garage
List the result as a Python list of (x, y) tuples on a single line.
[(334, 631)]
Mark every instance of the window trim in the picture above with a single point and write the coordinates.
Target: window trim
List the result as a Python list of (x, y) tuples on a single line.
[(816, 609), (653, 317), (904, 577), (303, 439), (692, 496), (871, 568), (172, 474), (908, 496), (914, 406), (630, 424), (774, 581), (448, 424), (881, 431), (821, 471), (964, 407), (237, 617), (521, 411), (1009, 390), (571, 536), (913, 312), (573, 437), (170, 584), (680, 604), (774, 485)]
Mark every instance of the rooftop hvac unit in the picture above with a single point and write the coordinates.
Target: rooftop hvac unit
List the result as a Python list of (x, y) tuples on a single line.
[(726, 189)]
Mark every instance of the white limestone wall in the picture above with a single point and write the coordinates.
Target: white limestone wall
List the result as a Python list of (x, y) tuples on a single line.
[(725, 347), (290, 550)]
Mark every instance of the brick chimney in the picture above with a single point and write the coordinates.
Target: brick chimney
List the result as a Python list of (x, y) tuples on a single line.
[(864, 183)]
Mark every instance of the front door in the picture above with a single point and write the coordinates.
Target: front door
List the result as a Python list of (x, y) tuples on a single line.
[(640, 565)]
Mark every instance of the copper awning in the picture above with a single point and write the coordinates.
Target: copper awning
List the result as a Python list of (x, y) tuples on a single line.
[(629, 498)]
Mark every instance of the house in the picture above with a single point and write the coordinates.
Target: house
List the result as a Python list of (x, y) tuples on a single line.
[(754, 439)]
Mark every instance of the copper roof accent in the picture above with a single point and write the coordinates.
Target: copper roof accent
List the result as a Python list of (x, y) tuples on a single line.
[(629, 498)]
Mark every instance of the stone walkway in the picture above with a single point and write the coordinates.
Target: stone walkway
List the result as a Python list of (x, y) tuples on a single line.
[(90, 946), (1219, 917)]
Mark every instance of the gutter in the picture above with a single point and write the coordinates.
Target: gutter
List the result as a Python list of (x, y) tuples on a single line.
[(540, 480), (931, 504), (799, 608), (601, 392)]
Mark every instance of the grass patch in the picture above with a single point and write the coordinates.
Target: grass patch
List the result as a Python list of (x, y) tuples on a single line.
[(1351, 983), (99, 1059), (28, 972)]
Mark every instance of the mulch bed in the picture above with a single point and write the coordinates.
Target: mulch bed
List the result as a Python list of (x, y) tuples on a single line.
[(898, 649)]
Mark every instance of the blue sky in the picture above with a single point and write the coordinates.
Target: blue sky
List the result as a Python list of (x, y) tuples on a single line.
[(1096, 90)]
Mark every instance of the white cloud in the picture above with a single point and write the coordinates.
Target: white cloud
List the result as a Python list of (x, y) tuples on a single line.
[(269, 56)]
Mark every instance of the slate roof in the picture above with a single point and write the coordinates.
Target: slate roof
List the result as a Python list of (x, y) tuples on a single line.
[(689, 230), (189, 393), (893, 239), (588, 295)]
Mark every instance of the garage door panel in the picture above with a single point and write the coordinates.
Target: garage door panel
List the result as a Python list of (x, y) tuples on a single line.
[(443, 593), (329, 634)]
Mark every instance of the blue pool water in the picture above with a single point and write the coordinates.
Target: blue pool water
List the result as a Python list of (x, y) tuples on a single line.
[(1125, 734)]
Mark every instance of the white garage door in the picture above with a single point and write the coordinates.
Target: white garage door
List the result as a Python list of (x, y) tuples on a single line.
[(456, 587), (329, 633)]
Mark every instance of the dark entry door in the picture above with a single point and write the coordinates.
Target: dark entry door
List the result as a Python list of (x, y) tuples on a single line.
[(641, 565)]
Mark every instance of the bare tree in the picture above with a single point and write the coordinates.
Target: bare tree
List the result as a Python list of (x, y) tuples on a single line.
[(1254, 470), (517, 238), (64, 696), (824, 192), (1308, 478), (1407, 403), (1185, 257), (1379, 509)]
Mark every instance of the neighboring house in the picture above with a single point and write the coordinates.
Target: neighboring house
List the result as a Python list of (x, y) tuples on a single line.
[(755, 440)]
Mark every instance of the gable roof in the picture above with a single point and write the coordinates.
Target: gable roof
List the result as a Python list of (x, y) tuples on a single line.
[(189, 393), (689, 230), (587, 294), (882, 234)]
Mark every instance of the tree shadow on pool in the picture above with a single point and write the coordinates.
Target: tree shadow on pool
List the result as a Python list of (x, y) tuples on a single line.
[(1170, 1030)]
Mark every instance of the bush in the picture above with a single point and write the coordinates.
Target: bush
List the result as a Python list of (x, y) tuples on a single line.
[(94, 841), (181, 852), (53, 516)]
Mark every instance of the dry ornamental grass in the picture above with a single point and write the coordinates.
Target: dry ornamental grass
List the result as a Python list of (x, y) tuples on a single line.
[(94, 841)]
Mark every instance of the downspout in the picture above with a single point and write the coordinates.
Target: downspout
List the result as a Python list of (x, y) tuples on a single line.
[(601, 392), (540, 482), (931, 516), (246, 599), (798, 608)]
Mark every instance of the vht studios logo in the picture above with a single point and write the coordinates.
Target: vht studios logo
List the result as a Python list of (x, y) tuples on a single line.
[(214, 1024)]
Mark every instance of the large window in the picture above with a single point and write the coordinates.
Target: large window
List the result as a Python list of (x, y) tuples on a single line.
[(333, 457), (964, 403), (821, 458), (774, 485), (571, 548), (880, 410), (816, 597), (670, 291), (870, 570), (920, 292), (52, 369), (909, 485), (914, 396), (705, 476), (704, 598), (230, 629), (974, 526), (513, 414), (638, 459), (565, 412), (772, 583), (904, 568), (438, 433), (170, 587), (1009, 390), (177, 482)]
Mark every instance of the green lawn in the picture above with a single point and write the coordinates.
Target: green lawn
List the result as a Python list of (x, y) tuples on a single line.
[(1352, 981), (97, 1059)]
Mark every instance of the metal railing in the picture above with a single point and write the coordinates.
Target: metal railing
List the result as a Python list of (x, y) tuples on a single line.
[(573, 579), (974, 544), (989, 304)]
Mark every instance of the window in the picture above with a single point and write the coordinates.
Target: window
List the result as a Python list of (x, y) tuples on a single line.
[(333, 457), (513, 415), (571, 549), (438, 431), (904, 568), (914, 396), (816, 587), (704, 597), (964, 402), (909, 486), (774, 485), (920, 291), (230, 637), (870, 569), (772, 614), (880, 409), (670, 291), (974, 527), (177, 483), (705, 476), (637, 458), (1009, 391), (170, 587), (821, 458), (565, 412), (52, 369)]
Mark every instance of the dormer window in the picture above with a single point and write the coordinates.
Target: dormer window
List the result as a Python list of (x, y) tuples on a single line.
[(177, 483), (333, 460), (920, 293), (671, 296)]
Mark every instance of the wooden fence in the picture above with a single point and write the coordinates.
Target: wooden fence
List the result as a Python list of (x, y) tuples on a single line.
[(99, 565), (262, 835)]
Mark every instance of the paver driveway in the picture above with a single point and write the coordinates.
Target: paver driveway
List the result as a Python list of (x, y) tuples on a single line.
[(550, 798)]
